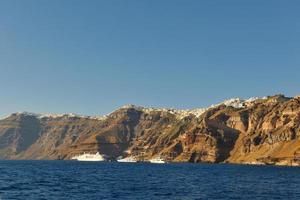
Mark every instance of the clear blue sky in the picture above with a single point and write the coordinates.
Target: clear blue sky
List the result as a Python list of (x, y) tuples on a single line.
[(90, 57)]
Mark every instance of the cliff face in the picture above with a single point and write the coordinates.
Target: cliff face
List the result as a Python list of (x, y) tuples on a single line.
[(271, 134), (262, 131), (17, 134)]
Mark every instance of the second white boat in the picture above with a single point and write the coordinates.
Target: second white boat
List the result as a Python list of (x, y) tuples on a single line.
[(128, 160), (157, 160), (89, 157)]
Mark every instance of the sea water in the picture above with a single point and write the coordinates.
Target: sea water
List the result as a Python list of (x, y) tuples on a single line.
[(111, 180)]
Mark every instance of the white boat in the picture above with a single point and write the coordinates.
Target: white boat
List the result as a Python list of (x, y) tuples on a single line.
[(74, 158), (89, 157), (129, 159), (158, 160)]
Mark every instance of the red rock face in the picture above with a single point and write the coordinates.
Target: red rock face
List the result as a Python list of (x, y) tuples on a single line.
[(265, 131)]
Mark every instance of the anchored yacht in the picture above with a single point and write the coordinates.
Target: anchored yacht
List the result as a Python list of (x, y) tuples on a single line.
[(129, 159), (89, 157), (158, 160)]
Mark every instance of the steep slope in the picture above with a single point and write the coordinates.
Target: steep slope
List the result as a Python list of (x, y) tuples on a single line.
[(18, 133), (271, 134), (257, 131)]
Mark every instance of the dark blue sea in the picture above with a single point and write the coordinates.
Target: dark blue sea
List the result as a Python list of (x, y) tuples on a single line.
[(88, 180)]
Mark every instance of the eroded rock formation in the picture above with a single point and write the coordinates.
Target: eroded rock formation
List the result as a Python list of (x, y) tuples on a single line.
[(256, 131)]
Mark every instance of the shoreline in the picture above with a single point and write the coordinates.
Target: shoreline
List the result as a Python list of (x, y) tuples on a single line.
[(295, 165)]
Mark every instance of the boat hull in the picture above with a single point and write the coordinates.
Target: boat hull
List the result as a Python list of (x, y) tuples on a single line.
[(157, 162), (126, 161), (90, 160)]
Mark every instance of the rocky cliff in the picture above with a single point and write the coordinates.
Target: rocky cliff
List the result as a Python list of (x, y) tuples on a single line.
[(254, 131)]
